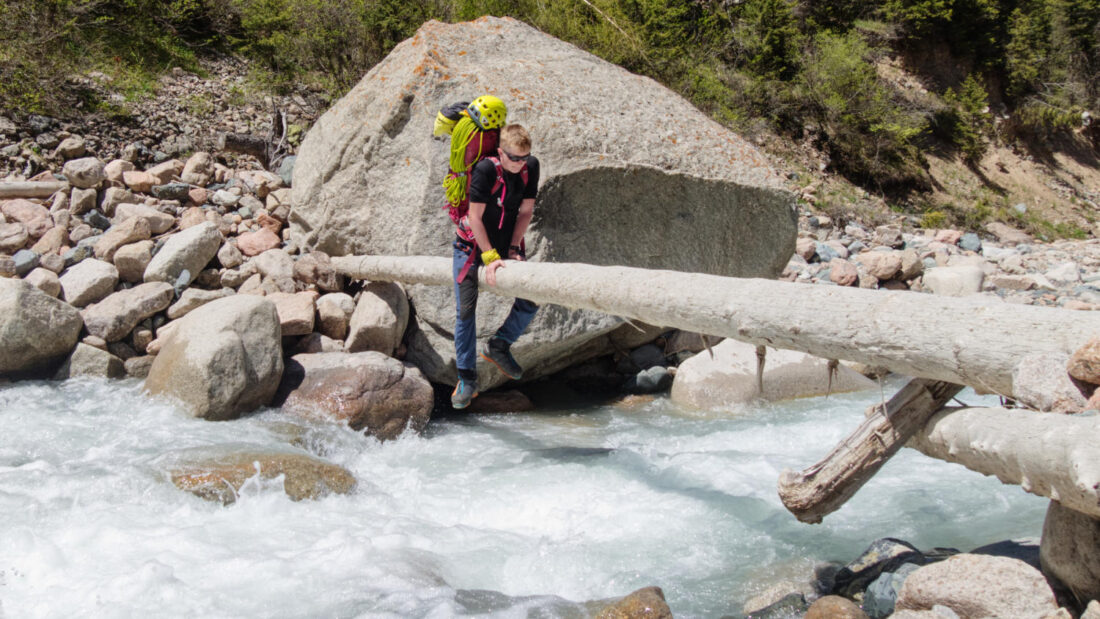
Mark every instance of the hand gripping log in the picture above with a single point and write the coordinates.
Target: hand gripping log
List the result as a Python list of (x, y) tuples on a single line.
[(824, 487)]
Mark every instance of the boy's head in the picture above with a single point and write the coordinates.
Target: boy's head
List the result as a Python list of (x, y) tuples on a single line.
[(515, 139)]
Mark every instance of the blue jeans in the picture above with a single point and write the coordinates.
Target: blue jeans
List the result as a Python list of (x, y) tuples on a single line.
[(466, 309)]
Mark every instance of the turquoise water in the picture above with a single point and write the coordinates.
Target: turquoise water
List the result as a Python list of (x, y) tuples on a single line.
[(511, 515)]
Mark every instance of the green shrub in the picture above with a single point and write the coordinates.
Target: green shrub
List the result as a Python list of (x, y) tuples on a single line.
[(966, 121), (933, 220)]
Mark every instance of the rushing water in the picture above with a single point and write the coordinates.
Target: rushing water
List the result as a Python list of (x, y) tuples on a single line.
[(486, 515)]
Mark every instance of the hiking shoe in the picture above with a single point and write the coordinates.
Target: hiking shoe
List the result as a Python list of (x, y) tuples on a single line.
[(464, 392), (496, 351)]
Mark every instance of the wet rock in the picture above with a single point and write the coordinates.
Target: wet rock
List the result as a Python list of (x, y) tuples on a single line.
[(35, 329), (116, 315), (883, 555), (368, 391), (88, 282), (188, 250), (296, 311), (380, 318), (1084, 364), (979, 586), (508, 401), (730, 377), (1070, 550), (787, 607), (334, 311), (882, 594), (1041, 382), (222, 359), (655, 379), (646, 603), (194, 298), (219, 473), (85, 172), (44, 280), (834, 607), (90, 361)]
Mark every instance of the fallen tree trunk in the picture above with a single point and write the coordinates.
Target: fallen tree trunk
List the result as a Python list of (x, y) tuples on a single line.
[(1048, 454), (967, 341), (31, 189), (824, 487), (246, 144)]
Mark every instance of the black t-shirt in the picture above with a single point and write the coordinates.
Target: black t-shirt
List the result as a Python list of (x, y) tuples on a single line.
[(482, 180)]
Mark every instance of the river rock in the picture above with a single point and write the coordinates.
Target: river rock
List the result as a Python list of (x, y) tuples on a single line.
[(334, 311), (229, 256), (979, 586), (1041, 382), (91, 361), (129, 231), (316, 268), (380, 318), (44, 280), (954, 281), (970, 242), (199, 169), (34, 217), (261, 182), (1065, 274), (25, 262), (316, 343), (159, 222), (219, 473), (115, 316), (13, 237), (1084, 364), (730, 377), (834, 607), (275, 263), (882, 594), (596, 177), (883, 555), (296, 311), (509, 401), (180, 192), (132, 260), (947, 237), (35, 329), (222, 359), (112, 197), (189, 250), (647, 603), (883, 265), (842, 272), (806, 248), (7, 266), (1070, 550), (52, 241), (1007, 234), (88, 281), (369, 391), (194, 298), (256, 243), (84, 172), (71, 147), (116, 168), (141, 182)]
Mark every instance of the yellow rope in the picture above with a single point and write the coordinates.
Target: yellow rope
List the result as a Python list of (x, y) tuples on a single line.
[(455, 184)]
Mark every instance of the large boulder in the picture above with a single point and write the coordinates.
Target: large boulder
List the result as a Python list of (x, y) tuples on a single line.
[(35, 329), (1070, 550), (189, 251), (979, 586), (729, 378), (368, 391), (116, 316), (222, 359), (632, 174)]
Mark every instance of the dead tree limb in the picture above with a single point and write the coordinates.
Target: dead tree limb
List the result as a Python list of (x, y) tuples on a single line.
[(29, 189), (826, 486), (246, 144)]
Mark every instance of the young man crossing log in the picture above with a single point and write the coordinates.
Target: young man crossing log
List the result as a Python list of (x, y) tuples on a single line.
[(502, 201)]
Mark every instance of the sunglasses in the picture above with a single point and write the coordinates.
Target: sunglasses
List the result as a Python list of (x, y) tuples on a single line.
[(516, 158)]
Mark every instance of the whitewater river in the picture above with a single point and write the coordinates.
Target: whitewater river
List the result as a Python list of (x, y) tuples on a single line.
[(511, 515)]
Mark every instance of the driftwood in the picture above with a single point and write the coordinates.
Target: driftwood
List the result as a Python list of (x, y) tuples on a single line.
[(966, 341), (32, 189), (1048, 454), (821, 489)]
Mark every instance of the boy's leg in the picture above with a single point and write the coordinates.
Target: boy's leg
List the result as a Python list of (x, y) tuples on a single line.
[(497, 349), (465, 329)]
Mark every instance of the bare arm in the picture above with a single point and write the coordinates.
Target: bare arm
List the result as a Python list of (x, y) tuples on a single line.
[(477, 211)]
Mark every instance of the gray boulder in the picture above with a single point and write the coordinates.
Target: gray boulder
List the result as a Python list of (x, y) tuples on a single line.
[(91, 361), (88, 281), (35, 329), (116, 316), (189, 250), (609, 193), (221, 360), (979, 586), (1070, 550), (368, 391), (379, 319), (730, 379)]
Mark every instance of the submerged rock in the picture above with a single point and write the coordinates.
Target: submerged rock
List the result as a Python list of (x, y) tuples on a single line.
[(219, 473), (365, 167)]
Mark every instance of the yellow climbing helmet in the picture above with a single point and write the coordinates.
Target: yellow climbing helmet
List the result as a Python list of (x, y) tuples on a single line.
[(487, 112)]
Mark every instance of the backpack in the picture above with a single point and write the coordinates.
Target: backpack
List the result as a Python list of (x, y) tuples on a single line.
[(469, 145)]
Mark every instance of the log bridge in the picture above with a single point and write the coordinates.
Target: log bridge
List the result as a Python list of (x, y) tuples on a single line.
[(944, 343)]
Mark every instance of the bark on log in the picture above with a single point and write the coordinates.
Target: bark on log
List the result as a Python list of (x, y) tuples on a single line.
[(247, 144), (968, 341), (824, 487), (1048, 454), (29, 189)]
